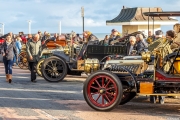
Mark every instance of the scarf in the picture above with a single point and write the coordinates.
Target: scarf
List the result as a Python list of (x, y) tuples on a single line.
[(8, 43)]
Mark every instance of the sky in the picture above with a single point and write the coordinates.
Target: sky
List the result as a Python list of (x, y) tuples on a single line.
[(46, 14)]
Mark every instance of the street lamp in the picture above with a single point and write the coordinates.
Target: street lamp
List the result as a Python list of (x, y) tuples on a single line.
[(29, 26), (2, 28), (59, 27), (82, 15)]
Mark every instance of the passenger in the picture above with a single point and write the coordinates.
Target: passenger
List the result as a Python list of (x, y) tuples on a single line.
[(150, 38), (159, 34), (78, 39), (131, 45), (8, 50), (140, 44), (114, 36), (106, 40), (33, 51)]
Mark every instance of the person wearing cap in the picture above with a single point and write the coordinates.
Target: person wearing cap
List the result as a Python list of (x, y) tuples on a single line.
[(114, 36)]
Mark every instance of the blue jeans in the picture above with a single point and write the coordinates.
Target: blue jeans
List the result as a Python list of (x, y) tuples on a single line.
[(14, 59), (8, 65)]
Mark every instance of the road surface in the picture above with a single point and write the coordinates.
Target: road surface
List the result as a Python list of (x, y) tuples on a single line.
[(24, 100)]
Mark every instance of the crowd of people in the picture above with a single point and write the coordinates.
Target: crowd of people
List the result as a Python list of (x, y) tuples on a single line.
[(12, 47)]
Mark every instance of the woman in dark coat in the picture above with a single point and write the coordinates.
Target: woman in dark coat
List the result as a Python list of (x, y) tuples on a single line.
[(8, 50)]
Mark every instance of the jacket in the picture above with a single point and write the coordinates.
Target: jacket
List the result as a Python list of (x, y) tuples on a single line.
[(18, 46), (9, 51), (113, 38), (139, 46), (33, 49)]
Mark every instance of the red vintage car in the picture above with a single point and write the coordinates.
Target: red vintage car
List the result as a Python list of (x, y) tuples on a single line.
[(1, 42)]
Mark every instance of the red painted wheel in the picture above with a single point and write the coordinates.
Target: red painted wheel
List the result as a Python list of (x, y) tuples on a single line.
[(103, 90)]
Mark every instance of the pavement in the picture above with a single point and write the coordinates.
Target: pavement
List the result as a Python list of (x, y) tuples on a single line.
[(24, 100)]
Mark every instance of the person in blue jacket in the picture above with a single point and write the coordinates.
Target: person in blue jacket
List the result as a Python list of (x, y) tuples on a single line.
[(18, 46)]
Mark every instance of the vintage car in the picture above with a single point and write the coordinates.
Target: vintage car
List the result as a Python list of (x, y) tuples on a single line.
[(66, 59), (121, 80)]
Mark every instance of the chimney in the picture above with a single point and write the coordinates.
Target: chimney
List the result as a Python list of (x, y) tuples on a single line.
[(123, 7)]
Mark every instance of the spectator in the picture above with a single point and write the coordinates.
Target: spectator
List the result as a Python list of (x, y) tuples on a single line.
[(18, 47), (44, 37), (8, 50), (33, 51), (40, 35), (54, 37), (29, 37)]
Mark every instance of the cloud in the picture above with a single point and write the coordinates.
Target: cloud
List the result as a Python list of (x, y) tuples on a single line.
[(46, 14), (54, 17)]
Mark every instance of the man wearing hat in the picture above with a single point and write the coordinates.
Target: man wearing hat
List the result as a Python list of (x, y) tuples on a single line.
[(114, 36)]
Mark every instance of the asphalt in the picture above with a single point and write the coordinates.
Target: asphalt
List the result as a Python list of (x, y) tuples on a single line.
[(24, 100)]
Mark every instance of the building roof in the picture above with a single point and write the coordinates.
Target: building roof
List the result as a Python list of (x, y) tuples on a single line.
[(161, 14), (135, 16)]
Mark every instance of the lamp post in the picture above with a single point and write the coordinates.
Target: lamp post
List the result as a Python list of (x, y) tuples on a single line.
[(82, 15), (29, 26), (2, 28), (59, 27)]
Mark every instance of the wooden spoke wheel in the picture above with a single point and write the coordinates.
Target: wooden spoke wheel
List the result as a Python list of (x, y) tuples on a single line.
[(103, 90), (38, 67), (23, 61), (54, 69)]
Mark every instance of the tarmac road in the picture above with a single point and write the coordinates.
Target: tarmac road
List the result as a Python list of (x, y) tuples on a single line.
[(25, 100)]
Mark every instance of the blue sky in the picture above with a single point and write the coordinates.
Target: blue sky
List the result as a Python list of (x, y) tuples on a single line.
[(46, 14)]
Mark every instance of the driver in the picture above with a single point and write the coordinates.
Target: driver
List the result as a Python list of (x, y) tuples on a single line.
[(89, 36), (90, 39)]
